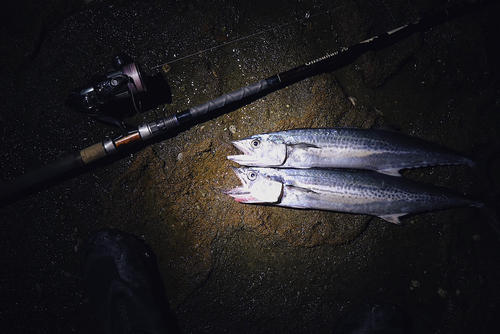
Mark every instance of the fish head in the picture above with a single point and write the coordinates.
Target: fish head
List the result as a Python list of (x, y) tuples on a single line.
[(260, 150), (256, 188)]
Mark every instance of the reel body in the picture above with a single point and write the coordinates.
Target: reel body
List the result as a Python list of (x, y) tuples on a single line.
[(111, 97)]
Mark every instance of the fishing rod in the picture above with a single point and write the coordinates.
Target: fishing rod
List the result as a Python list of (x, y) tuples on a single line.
[(147, 131)]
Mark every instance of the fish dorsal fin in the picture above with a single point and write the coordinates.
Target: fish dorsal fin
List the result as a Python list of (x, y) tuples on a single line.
[(303, 146), (391, 171), (393, 218)]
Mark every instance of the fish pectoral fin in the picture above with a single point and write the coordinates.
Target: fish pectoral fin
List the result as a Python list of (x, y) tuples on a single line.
[(391, 172), (301, 189), (303, 146), (394, 218)]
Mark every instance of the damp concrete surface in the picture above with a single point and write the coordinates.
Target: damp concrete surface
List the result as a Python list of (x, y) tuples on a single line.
[(226, 266)]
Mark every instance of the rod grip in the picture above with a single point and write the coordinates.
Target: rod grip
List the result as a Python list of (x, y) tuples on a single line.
[(37, 176), (51, 170), (225, 99), (93, 153)]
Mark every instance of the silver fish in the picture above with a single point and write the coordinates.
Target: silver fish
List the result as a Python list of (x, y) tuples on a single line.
[(373, 149), (358, 192)]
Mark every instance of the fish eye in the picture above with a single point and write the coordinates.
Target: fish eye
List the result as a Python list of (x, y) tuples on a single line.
[(252, 176), (255, 143)]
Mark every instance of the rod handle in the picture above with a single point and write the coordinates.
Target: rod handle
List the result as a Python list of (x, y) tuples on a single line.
[(225, 99), (92, 153), (53, 169), (37, 176)]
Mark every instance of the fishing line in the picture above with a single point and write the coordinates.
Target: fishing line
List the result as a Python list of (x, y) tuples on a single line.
[(308, 16), (243, 96)]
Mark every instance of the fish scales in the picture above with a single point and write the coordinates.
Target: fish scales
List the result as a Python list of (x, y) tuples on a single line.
[(358, 192), (373, 149)]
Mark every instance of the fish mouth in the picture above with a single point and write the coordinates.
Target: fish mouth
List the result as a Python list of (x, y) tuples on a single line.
[(245, 159), (258, 189), (242, 193)]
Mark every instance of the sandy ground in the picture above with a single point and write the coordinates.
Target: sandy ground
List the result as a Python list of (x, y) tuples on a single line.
[(230, 267)]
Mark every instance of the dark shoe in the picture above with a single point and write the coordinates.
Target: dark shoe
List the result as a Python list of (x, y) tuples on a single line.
[(121, 278)]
